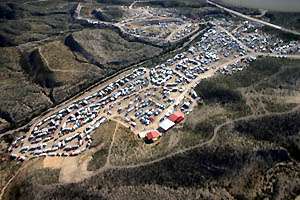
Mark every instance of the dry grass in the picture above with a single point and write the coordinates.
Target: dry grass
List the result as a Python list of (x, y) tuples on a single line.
[(111, 50), (103, 134), (102, 139), (129, 149), (64, 64), (65, 71), (19, 96), (7, 170)]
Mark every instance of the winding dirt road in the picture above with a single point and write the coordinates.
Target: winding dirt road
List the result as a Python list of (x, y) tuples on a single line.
[(208, 142)]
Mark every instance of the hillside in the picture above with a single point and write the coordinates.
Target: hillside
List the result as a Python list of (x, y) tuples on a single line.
[(53, 72), (247, 157), (21, 99), (107, 49), (27, 22), (138, 100)]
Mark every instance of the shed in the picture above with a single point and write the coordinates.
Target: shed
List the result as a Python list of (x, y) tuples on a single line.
[(152, 135), (166, 124), (176, 117)]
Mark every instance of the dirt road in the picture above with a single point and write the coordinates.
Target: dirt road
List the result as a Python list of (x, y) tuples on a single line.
[(210, 141), (254, 19), (107, 163)]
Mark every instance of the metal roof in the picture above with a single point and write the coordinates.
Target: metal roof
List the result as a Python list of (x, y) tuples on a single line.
[(166, 124)]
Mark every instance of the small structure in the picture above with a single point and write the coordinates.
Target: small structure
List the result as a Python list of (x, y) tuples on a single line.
[(152, 136), (176, 117), (166, 124)]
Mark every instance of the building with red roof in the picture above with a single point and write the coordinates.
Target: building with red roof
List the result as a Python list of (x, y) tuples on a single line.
[(176, 117), (152, 136)]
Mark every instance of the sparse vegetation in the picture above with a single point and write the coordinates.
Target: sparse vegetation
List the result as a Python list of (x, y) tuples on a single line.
[(21, 23), (104, 134), (226, 164), (112, 52), (281, 129), (102, 139), (241, 142), (7, 169), (108, 13), (20, 98), (235, 162), (63, 71), (98, 160), (178, 3), (287, 20), (34, 179), (266, 76)]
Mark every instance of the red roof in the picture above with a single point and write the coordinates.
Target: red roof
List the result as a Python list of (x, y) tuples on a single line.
[(176, 117), (152, 135)]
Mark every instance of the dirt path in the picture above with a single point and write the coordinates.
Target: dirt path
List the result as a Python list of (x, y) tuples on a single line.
[(262, 13), (236, 28), (9, 181), (290, 56), (253, 19), (131, 5), (25, 165), (142, 1), (120, 122), (75, 169), (180, 28), (294, 99), (107, 163), (70, 172), (210, 141)]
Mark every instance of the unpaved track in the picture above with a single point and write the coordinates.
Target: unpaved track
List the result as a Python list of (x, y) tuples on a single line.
[(107, 163), (210, 141), (254, 19), (10, 180), (74, 169), (69, 171), (133, 3), (18, 172)]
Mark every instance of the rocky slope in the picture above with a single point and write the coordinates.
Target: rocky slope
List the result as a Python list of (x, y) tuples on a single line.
[(20, 97)]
